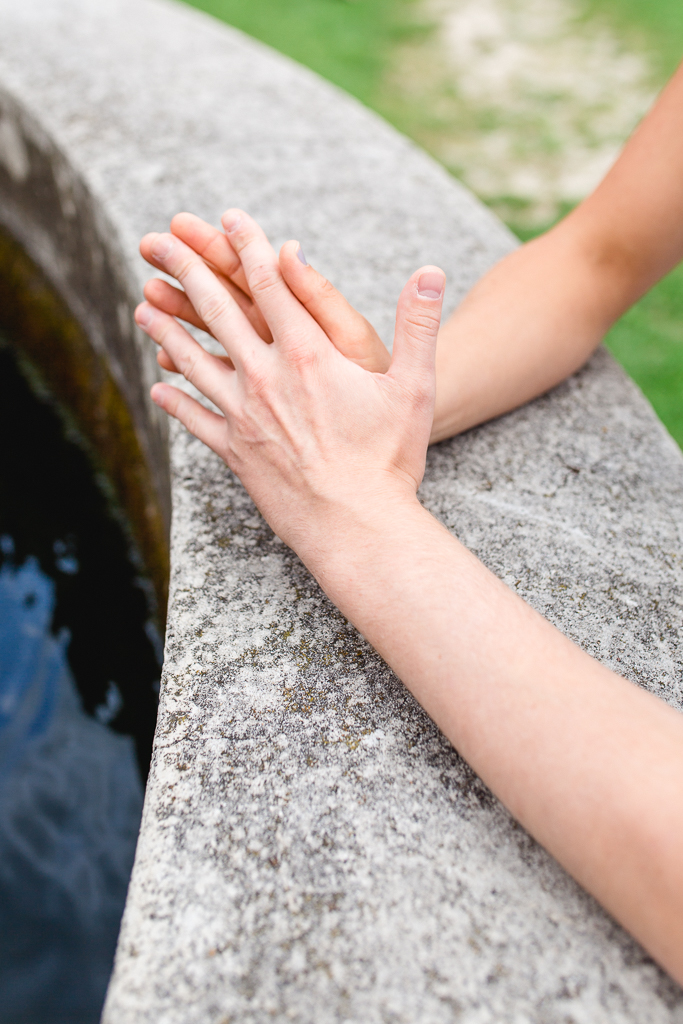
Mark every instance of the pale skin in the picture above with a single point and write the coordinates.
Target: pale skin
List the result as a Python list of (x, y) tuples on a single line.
[(328, 434)]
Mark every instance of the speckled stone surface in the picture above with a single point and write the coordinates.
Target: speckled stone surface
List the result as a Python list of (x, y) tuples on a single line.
[(312, 849)]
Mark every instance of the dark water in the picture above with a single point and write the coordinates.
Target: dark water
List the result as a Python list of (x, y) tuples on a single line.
[(79, 670)]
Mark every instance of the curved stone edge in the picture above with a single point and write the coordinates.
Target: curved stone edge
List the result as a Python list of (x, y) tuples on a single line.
[(48, 207)]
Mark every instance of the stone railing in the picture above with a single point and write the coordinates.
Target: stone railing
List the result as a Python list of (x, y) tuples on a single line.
[(312, 849)]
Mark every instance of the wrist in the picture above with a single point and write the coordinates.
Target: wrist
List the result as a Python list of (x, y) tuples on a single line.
[(360, 542)]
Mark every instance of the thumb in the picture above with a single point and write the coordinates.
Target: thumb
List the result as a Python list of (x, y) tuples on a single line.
[(418, 316)]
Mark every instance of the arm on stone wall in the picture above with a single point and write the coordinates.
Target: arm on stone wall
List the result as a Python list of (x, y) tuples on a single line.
[(540, 313), (333, 455)]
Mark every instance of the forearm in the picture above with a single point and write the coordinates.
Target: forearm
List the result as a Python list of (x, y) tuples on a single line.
[(534, 319), (537, 316), (591, 765)]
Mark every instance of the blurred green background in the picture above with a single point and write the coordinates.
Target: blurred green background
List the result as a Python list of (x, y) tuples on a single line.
[(531, 141)]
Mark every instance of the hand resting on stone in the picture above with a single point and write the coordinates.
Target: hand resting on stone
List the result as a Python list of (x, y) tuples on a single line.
[(345, 327), (279, 427)]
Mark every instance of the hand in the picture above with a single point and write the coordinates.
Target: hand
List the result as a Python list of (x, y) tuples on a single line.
[(345, 327), (311, 434)]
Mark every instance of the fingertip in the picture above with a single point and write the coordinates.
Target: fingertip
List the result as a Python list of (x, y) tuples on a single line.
[(232, 219), (157, 392), (430, 283), (292, 255), (182, 219), (289, 248), (146, 242), (162, 245), (151, 287), (143, 315)]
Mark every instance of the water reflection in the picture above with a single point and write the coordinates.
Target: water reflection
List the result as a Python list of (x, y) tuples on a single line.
[(79, 667), (70, 804)]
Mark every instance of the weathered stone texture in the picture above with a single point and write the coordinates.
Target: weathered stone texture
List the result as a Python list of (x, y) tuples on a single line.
[(312, 849)]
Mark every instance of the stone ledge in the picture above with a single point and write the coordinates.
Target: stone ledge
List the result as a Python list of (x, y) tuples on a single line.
[(312, 849)]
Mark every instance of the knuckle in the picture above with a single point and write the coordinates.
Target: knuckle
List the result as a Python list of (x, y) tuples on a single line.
[(192, 422), (258, 381), (240, 237), (212, 308), (255, 372), (425, 391), (263, 278), (188, 366), (183, 266), (163, 327), (418, 387), (300, 353), (246, 424), (420, 322), (422, 391)]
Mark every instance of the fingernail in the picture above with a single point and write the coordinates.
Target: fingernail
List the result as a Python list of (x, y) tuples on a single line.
[(302, 258), (162, 246), (231, 221), (430, 285), (143, 315)]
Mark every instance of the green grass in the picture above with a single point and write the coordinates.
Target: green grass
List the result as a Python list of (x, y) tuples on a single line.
[(658, 24), (350, 42), (648, 342)]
